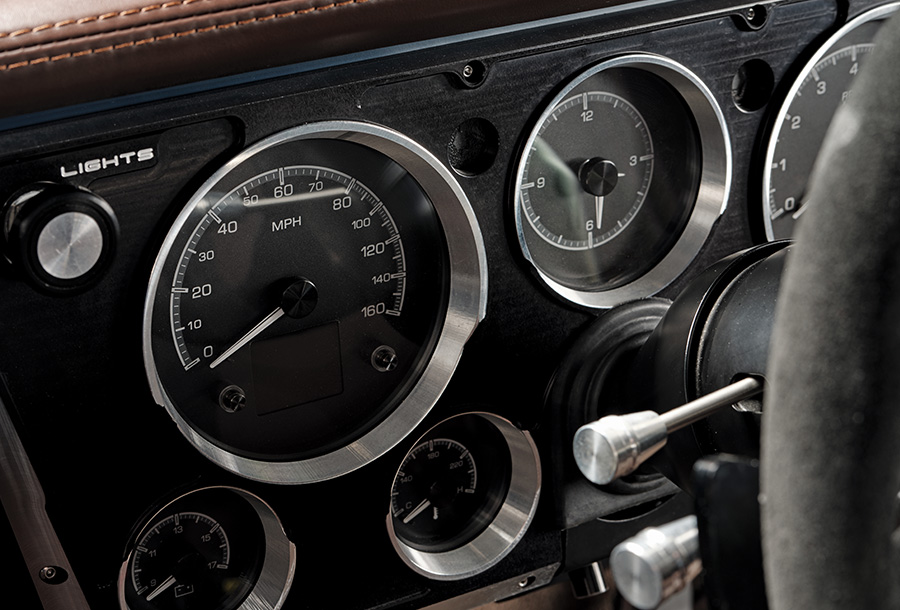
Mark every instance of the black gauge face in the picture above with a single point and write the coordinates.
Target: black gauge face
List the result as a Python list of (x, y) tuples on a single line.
[(577, 200), (800, 127), (451, 485), (608, 180), (202, 553), (300, 298), (184, 555)]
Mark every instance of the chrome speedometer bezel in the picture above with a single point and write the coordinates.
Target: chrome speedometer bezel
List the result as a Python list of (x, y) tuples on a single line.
[(466, 304)]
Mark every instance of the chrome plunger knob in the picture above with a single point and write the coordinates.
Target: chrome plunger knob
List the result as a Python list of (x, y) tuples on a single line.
[(60, 237), (657, 563), (616, 445)]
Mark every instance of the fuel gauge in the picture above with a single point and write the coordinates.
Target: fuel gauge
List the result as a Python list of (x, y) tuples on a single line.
[(464, 496)]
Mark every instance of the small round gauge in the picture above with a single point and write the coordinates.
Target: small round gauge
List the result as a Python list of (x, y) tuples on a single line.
[(621, 180), (799, 128), (297, 305), (464, 496), (216, 547), (437, 501)]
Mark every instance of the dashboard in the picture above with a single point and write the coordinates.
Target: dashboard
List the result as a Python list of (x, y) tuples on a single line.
[(319, 334)]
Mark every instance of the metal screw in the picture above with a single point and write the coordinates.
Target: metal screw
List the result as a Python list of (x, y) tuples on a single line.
[(751, 14), (48, 573), (232, 399), (384, 359), (526, 582), (468, 71)]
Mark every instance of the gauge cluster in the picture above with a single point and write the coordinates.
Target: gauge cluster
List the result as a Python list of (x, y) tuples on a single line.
[(320, 329)]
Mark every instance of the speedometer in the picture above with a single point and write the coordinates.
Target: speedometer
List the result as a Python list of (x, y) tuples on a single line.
[(295, 324)]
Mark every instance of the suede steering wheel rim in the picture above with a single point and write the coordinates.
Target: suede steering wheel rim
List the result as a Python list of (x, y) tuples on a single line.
[(831, 431)]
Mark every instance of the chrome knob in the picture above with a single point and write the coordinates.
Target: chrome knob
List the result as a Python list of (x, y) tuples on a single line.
[(657, 563), (60, 237), (616, 445)]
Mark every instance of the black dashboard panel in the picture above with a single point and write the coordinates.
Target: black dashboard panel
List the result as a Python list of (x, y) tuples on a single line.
[(72, 366)]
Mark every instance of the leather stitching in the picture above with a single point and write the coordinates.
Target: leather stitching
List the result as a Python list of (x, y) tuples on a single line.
[(103, 17), (172, 35)]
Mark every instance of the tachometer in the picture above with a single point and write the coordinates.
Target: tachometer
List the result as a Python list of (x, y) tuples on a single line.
[(799, 128), (298, 304)]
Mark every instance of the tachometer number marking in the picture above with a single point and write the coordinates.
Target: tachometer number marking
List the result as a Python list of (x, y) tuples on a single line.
[(822, 88)]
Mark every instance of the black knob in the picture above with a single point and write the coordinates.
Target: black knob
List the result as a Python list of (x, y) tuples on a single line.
[(598, 176), (60, 237)]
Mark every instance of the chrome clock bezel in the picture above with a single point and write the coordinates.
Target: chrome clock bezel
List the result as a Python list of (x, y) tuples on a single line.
[(712, 194)]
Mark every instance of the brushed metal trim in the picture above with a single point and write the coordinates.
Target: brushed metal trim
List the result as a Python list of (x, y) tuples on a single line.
[(279, 563), (501, 591), (467, 303), (503, 533), (712, 195), (25, 504)]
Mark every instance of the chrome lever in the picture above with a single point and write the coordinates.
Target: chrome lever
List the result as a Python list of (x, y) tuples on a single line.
[(615, 445)]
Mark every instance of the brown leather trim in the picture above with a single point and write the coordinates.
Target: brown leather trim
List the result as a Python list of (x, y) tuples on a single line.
[(55, 57)]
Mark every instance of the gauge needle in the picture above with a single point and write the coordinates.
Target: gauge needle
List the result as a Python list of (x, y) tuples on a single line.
[(266, 323), (802, 209), (599, 206), (417, 511), (162, 587)]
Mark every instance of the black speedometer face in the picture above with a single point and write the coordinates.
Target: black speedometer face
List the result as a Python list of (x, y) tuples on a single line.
[(610, 177), (299, 300), (823, 86)]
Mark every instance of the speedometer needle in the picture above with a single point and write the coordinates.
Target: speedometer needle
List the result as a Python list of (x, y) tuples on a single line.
[(162, 587), (417, 511), (266, 323)]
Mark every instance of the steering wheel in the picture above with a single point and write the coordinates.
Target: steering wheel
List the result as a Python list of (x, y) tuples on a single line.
[(831, 431)]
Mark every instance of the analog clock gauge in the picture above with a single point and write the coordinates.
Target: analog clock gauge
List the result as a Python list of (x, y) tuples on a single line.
[(621, 180)]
